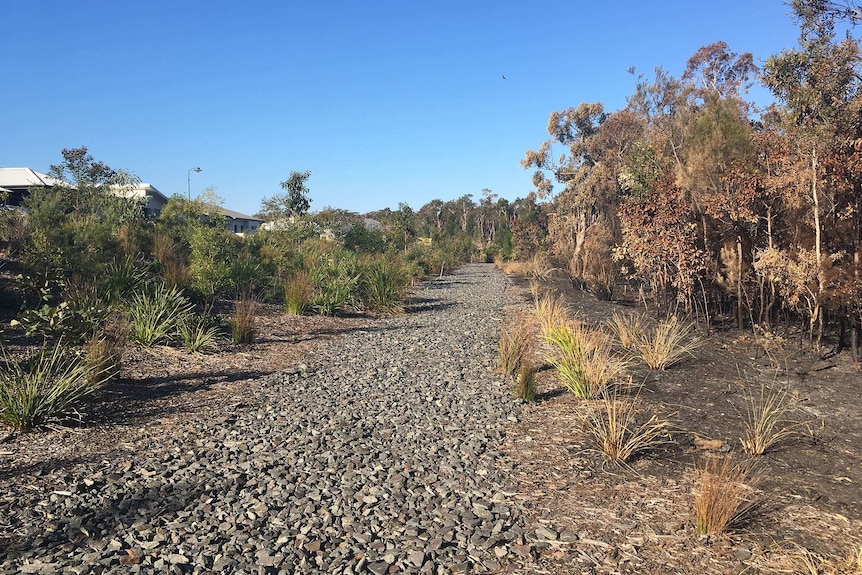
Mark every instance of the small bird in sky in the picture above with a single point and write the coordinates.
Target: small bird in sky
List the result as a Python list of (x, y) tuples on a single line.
[(504, 76)]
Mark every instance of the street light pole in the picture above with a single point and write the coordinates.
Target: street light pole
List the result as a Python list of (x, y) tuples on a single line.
[(190, 180)]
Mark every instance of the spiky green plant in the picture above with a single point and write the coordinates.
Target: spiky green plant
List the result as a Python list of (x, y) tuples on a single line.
[(584, 359), (196, 333), (336, 284), (154, 314), (48, 388), (383, 286)]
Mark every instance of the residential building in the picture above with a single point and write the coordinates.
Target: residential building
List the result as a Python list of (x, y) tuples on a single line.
[(240, 223), (18, 181)]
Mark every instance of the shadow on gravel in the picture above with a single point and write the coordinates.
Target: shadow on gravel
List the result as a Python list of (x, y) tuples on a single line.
[(47, 467), (133, 400), (322, 332), (86, 523), (420, 304), (444, 283)]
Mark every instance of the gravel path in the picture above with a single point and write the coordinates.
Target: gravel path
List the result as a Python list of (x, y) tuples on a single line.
[(380, 459)]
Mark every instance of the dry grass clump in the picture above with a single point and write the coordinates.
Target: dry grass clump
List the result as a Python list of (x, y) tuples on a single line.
[(298, 290), (668, 343), (584, 359), (628, 328), (103, 352), (552, 313), (242, 326), (725, 494), (536, 267), (766, 422), (802, 561), (525, 382), (618, 427), (517, 344)]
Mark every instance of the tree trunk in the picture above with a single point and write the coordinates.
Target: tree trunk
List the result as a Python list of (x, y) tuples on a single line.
[(739, 283), (816, 319)]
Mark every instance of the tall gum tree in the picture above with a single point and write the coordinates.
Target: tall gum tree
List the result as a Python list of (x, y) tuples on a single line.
[(819, 87), (596, 143)]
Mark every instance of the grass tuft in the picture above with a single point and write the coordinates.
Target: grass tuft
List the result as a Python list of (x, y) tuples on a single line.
[(297, 293), (525, 382), (616, 426), (628, 328), (668, 343), (517, 343), (802, 561), (552, 313), (44, 390), (584, 359), (726, 494), (242, 326), (103, 352), (766, 422)]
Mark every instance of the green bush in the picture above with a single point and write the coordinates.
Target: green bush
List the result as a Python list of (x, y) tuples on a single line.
[(155, 314), (46, 389), (78, 315), (214, 255), (383, 285), (335, 278)]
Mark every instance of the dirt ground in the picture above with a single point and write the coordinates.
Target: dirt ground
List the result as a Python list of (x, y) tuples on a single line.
[(609, 519), (641, 519)]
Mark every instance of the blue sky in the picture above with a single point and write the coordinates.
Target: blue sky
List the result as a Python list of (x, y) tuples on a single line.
[(383, 100)]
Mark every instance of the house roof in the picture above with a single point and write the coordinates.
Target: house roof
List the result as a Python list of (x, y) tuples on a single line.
[(238, 216), (25, 177), (142, 190)]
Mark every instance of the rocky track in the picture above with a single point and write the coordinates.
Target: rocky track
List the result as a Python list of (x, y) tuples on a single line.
[(378, 457)]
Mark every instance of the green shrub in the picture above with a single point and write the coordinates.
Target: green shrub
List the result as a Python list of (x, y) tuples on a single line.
[(80, 313), (46, 389), (213, 260), (336, 284), (383, 286), (155, 314)]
